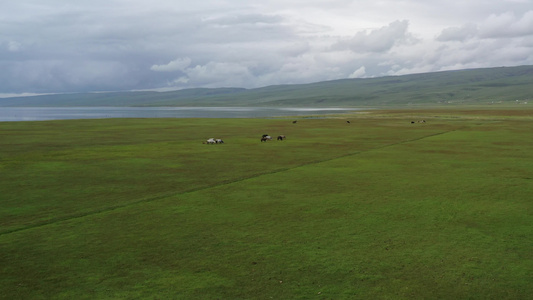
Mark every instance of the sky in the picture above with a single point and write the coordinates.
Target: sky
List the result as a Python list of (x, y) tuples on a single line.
[(61, 46)]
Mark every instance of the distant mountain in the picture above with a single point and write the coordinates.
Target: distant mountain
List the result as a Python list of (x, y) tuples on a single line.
[(479, 86)]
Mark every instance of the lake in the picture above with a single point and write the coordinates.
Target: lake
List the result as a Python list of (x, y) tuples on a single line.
[(62, 113)]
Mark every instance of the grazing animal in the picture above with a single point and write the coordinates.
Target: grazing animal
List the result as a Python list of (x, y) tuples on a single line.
[(211, 141), (265, 138), (348, 122), (294, 122), (281, 137)]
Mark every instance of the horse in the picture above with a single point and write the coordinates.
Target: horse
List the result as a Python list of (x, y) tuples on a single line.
[(281, 137), (210, 141), (219, 141)]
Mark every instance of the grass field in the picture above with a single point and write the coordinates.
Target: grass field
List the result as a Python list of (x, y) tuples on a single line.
[(378, 208)]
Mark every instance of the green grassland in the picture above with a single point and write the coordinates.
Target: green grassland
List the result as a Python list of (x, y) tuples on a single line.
[(378, 208)]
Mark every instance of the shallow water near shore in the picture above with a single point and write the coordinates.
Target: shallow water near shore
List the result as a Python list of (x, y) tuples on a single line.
[(63, 113)]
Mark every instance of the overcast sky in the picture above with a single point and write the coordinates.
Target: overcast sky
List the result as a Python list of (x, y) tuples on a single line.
[(53, 46)]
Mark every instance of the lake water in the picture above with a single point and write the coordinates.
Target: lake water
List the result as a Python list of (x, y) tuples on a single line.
[(61, 113)]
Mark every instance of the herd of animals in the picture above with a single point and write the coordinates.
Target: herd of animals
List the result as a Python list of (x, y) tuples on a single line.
[(264, 138), (267, 137), (214, 141)]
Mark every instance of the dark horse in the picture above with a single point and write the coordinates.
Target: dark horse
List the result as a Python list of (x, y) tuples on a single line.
[(281, 137)]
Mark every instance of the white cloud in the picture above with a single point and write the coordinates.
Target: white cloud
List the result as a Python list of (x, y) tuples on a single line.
[(179, 64), (216, 74), (359, 73), (179, 81)]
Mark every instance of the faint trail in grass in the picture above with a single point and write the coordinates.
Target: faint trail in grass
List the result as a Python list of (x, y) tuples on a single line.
[(235, 180)]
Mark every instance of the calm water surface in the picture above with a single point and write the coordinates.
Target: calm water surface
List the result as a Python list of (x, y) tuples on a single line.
[(61, 113)]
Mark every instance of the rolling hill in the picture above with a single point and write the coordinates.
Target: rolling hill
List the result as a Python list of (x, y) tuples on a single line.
[(473, 86)]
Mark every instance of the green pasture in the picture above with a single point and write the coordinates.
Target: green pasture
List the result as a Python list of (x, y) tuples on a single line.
[(378, 208)]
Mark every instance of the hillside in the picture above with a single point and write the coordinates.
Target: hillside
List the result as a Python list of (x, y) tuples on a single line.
[(475, 86)]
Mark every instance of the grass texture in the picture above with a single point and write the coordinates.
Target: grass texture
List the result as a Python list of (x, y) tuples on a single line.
[(378, 208)]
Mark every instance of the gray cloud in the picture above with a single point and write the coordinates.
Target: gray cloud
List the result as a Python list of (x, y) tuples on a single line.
[(507, 25), (49, 46), (462, 33), (504, 26), (377, 40)]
